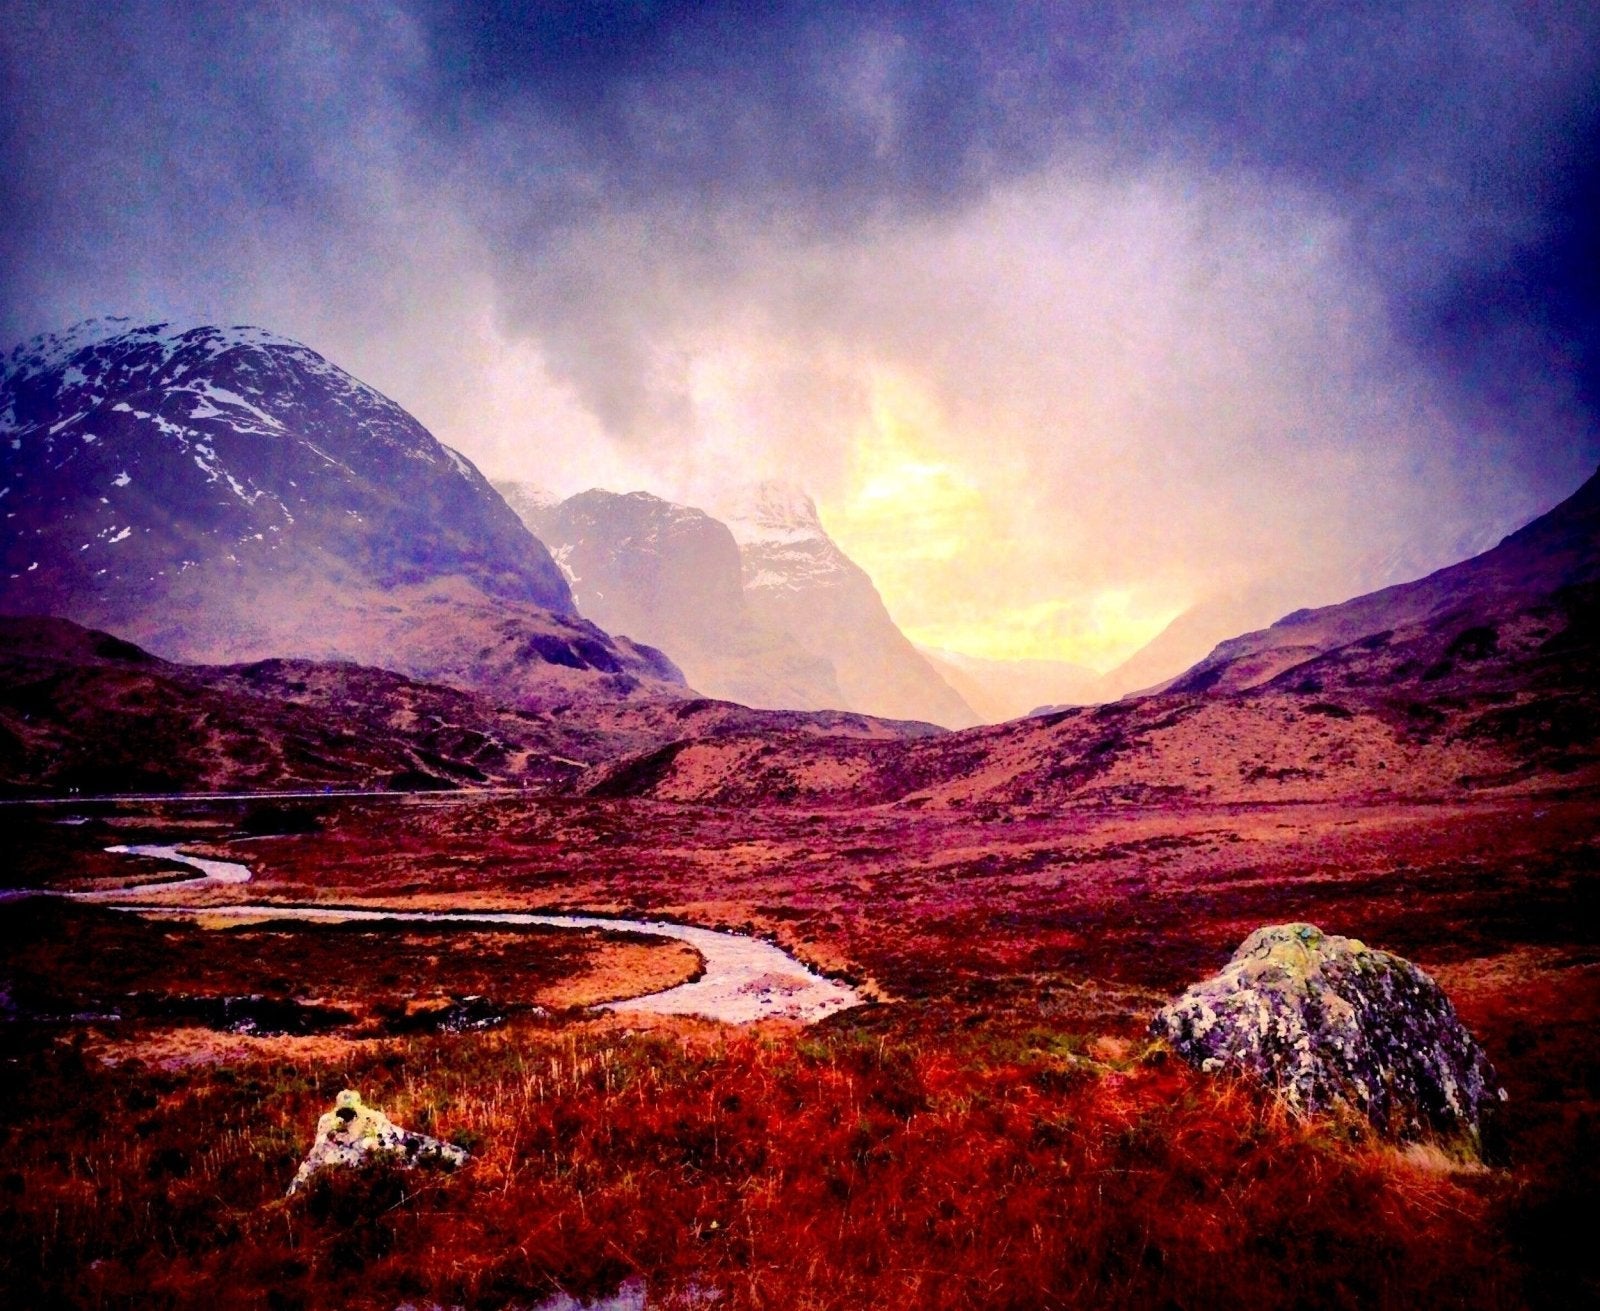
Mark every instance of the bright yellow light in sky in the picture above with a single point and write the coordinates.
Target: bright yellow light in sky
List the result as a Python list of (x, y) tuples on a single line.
[(934, 531), (1098, 630), (904, 506)]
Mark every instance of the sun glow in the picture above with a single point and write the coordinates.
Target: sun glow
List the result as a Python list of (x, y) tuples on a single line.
[(905, 504), (1097, 630), (931, 518)]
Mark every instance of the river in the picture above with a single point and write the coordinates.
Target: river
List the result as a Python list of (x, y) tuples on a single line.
[(745, 978)]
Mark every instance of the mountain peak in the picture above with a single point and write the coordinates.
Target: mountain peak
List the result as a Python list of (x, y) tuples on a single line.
[(772, 512), (141, 452)]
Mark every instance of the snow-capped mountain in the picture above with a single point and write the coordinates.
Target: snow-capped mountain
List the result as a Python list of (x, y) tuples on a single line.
[(227, 494), (641, 560), (669, 575), (798, 580), (782, 541), (531, 504), (758, 606)]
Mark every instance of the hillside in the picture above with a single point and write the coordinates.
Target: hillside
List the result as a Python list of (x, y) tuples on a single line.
[(81, 709), (1532, 568)]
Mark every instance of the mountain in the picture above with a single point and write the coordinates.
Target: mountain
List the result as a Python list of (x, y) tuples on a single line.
[(529, 503), (797, 580), (669, 575), (757, 605), (1481, 677), (1192, 635), (227, 494)]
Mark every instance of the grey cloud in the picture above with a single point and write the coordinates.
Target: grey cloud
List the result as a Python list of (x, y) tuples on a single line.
[(672, 243)]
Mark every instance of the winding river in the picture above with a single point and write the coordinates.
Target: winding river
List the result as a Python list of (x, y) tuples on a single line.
[(745, 978)]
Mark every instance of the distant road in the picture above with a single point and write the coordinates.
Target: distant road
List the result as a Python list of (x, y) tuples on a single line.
[(83, 800)]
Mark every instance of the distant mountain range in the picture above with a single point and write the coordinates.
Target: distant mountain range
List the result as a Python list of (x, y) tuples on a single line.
[(757, 605), (1481, 676), (224, 494)]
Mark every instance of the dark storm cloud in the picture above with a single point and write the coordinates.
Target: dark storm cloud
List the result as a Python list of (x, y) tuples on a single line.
[(1459, 139), (159, 154)]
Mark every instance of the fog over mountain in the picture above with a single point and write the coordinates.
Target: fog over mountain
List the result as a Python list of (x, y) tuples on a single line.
[(670, 575), (1072, 320), (758, 605)]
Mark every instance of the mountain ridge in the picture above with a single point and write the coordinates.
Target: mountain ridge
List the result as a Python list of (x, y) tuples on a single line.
[(1556, 550), (1482, 677)]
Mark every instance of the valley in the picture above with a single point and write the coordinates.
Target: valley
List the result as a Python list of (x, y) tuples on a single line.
[(587, 858), (801, 657), (1014, 960)]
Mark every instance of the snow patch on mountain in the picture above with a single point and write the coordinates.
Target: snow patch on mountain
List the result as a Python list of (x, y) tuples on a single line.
[(224, 428), (462, 465), (782, 541), (562, 555), (51, 351), (771, 513)]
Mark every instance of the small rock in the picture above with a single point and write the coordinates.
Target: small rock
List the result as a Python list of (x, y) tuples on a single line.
[(1326, 1020), (353, 1133)]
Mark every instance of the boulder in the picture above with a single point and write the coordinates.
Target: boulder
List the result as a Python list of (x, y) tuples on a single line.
[(1327, 1021), (354, 1133)]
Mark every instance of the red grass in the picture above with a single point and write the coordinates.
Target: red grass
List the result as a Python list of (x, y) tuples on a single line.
[(890, 1161), (956, 1150)]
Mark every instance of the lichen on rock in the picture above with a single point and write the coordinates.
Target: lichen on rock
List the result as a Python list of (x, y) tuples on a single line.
[(354, 1133), (1327, 1021)]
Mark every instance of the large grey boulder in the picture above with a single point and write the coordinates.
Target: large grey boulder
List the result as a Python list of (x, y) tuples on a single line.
[(1325, 1020), (354, 1133)]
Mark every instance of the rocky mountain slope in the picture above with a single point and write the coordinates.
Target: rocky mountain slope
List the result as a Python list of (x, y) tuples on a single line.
[(1483, 676), (226, 494), (796, 579), (758, 606), (669, 575)]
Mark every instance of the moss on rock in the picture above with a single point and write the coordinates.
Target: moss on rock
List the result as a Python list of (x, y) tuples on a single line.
[(1325, 1020)]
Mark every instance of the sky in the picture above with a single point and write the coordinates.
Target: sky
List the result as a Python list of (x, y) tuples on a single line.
[(1071, 318)]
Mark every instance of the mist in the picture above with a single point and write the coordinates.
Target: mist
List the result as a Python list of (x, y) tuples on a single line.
[(1068, 324)]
